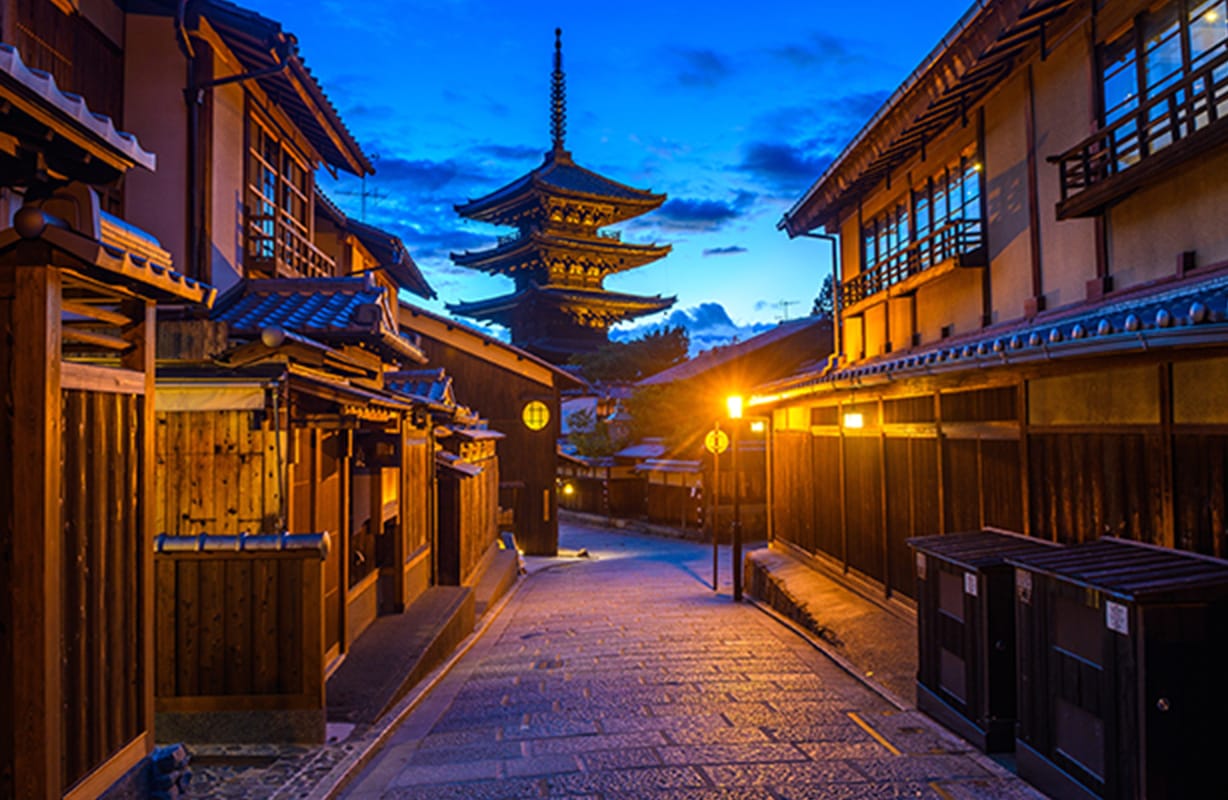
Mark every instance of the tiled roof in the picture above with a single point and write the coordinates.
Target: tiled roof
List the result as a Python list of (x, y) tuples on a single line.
[(626, 305), (430, 385), (72, 108), (328, 309), (559, 171), (646, 448), (1184, 315), (719, 356)]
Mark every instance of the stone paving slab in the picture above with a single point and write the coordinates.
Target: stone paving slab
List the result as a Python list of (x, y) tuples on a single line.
[(624, 676)]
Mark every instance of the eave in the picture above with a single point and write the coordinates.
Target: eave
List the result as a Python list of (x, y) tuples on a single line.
[(976, 55), (510, 255)]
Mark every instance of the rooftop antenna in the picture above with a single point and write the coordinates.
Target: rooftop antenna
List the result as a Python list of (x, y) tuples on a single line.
[(558, 95), (363, 193)]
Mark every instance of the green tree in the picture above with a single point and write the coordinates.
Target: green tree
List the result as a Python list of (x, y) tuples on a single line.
[(825, 303), (639, 358), (591, 435)]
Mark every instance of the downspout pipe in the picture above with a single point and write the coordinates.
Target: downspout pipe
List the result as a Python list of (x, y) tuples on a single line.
[(834, 240), (285, 48)]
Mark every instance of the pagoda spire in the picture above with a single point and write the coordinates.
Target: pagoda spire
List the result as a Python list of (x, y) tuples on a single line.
[(558, 95)]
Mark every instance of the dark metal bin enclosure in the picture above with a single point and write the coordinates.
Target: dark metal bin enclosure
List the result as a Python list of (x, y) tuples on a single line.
[(966, 632), (1121, 662)]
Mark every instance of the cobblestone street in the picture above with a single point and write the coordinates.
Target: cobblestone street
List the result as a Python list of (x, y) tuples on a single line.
[(623, 675)]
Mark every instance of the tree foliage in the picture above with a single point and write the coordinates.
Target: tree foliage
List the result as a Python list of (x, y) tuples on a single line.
[(639, 358), (664, 410), (593, 436), (825, 303)]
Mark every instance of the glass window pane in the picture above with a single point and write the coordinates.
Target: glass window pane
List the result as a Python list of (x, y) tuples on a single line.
[(1208, 30)]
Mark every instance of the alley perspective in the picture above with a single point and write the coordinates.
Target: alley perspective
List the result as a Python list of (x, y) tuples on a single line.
[(622, 674)]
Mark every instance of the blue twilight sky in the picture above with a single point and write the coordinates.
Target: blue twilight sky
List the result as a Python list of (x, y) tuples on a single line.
[(731, 108)]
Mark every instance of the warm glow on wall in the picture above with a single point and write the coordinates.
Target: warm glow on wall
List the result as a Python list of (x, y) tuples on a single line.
[(854, 419), (734, 403)]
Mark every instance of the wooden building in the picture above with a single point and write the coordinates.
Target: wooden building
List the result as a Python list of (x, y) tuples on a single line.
[(466, 477), (1032, 285), (78, 289), (518, 393), (559, 256)]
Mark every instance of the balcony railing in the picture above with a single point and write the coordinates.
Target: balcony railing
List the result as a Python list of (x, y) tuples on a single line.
[(1175, 124), (278, 247), (958, 239)]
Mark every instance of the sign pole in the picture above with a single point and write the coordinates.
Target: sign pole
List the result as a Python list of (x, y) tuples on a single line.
[(716, 442)]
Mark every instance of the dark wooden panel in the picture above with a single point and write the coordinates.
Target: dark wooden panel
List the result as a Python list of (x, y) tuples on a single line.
[(820, 490), (6, 541), (1001, 484), (1085, 485), (984, 405), (961, 485), (1200, 503), (863, 504), (793, 506), (926, 515), (897, 474)]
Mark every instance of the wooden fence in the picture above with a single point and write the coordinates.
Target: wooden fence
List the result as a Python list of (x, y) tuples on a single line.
[(239, 637)]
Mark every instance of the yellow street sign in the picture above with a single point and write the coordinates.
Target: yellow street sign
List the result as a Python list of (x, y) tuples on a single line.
[(717, 441)]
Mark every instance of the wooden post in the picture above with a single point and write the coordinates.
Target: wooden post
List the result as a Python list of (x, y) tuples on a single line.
[(36, 533)]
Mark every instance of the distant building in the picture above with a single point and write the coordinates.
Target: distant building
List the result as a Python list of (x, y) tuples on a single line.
[(559, 257)]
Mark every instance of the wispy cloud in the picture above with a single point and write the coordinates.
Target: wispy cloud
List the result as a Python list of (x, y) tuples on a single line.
[(783, 166), (702, 68), (698, 214), (724, 251)]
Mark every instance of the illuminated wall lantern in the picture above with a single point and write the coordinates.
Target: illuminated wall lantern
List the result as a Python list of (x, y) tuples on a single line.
[(854, 420), (734, 404), (757, 426), (568, 489)]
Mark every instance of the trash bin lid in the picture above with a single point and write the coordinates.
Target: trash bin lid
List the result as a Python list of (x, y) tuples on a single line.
[(977, 550), (1129, 570)]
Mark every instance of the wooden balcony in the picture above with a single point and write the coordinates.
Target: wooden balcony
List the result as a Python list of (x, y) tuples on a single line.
[(959, 243), (277, 247), (1182, 122)]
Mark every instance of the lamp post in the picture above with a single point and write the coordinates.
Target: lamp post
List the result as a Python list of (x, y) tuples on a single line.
[(734, 405)]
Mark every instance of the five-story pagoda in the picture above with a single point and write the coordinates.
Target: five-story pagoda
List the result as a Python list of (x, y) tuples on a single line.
[(559, 257)]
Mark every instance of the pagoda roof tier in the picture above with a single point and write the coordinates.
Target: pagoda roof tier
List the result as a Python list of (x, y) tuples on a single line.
[(537, 250), (588, 307), (561, 178)]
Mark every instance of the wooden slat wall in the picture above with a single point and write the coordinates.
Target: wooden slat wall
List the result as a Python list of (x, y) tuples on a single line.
[(822, 488), (791, 490), (863, 471), (1200, 462), (216, 473), (479, 513), (419, 461), (238, 625), (7, 652), (101, 607), (1086, 485)]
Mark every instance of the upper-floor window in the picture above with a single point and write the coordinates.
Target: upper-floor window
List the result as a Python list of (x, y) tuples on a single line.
[(280, 216), (1153, 55), (951, 196)]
